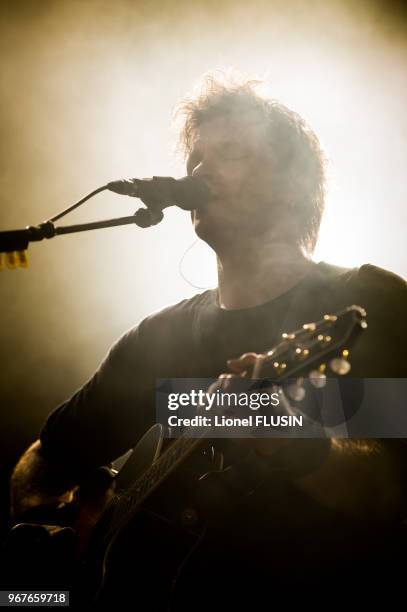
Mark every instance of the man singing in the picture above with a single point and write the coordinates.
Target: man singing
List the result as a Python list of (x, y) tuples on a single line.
[(328, 521)]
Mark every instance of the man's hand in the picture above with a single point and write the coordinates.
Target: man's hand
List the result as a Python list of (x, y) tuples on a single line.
[(33, 485)]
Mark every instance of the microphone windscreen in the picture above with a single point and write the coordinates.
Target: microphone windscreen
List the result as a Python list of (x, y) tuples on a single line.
[(188, 192), (191, 192)]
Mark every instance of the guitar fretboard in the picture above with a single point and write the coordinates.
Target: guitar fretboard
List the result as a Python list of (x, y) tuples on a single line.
[(122, 507)]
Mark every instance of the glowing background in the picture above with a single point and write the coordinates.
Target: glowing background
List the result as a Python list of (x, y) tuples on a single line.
[(87, 93)]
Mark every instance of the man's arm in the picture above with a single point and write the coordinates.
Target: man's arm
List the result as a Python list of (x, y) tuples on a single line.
[(34, 483), (97, 424)]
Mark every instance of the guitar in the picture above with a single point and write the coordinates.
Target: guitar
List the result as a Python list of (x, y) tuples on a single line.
[(160, 487)]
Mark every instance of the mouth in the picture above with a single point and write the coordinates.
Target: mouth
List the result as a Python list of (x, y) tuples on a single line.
[(213, 190)]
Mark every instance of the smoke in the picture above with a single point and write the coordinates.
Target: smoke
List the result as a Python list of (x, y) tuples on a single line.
[(87, 93)]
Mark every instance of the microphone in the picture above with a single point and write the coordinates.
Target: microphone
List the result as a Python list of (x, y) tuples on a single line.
[(159, 192)]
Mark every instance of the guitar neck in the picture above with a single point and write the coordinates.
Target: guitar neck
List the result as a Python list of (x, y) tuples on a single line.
[(299, 352), (123, 506)]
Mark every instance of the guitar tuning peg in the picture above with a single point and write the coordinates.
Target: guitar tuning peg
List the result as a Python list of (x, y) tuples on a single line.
[(296, 391), (341, 365), (317, 379)]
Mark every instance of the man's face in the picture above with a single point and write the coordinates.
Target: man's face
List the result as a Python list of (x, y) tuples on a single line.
[(231, 154)]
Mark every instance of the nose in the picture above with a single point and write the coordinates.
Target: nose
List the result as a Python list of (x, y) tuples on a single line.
[(206, 170)]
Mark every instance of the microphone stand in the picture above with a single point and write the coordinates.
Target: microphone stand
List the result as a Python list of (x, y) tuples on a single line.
[(14, 243)]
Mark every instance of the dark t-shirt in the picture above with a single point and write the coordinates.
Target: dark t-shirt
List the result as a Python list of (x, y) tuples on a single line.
[(194, 339)]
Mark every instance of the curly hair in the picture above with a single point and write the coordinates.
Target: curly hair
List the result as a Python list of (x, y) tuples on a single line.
[(297, 160)]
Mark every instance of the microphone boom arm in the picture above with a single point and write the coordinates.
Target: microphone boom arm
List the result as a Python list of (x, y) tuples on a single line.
[(156, 193)]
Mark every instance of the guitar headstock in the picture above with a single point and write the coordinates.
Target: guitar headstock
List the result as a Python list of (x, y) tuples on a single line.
[(308, 351)]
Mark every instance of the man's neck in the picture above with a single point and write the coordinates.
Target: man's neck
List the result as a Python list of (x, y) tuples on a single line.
[(250, 277)]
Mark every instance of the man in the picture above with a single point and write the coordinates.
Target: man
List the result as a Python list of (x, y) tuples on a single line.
[(265, 169)]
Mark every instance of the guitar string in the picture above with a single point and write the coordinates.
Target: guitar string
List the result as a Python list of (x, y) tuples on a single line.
[(182, 446)]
